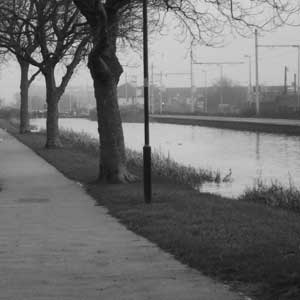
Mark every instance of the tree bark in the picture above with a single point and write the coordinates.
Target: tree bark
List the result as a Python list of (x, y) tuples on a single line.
[(53, 140), (24, 90), (106, 71), (112, 165)]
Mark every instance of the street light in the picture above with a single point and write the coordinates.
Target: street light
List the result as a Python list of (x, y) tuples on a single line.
[(147, 148)]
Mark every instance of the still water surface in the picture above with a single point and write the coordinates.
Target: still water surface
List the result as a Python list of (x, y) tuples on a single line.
[(249, 155)]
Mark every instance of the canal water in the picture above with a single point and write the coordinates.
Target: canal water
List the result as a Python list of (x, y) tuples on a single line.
[(272, 157)]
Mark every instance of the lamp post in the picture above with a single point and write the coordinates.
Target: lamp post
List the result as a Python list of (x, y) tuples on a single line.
[(192, 79), (147, 148), (257, 95), (298, 84)]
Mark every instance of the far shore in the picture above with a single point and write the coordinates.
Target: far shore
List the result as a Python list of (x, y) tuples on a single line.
[(276, 126), (254, 124)]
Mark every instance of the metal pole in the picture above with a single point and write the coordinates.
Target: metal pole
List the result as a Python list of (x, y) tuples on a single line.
[(298, 88), (152, 89), (249, 79), (192, 79), (256, 74), (136, 90), (160, 96), (250, 75), (285, 80), (221, 85), (147, 148), (205, 91), (126, 87)]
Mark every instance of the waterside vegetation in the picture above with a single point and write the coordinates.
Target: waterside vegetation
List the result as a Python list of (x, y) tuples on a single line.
[(161, 165), (273, 194)]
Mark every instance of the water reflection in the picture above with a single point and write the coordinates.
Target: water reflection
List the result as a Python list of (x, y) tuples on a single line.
[(257, 145), (247, 154)]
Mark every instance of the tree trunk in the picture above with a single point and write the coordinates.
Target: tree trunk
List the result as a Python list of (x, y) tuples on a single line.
[(53, 140), (106, 70), (112, 165), (24, 88)]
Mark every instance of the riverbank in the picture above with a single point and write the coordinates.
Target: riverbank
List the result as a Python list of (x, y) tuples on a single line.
[(279, 126), (57, 244), (251, 246)]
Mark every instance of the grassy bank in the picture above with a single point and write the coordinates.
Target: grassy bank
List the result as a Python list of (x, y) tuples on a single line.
[(161, 165), (273, 194), (252, 246)]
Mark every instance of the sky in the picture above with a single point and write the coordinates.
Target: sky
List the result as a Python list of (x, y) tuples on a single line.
[(168, 55)]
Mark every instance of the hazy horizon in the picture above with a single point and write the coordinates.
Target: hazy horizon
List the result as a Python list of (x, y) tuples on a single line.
[(170, 56)]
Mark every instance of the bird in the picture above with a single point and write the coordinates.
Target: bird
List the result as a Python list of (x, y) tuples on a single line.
[(227, 178)]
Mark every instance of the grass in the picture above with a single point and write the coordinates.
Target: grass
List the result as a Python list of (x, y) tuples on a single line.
[(15, 121), (274, 194), (253, 247), (161, 165)]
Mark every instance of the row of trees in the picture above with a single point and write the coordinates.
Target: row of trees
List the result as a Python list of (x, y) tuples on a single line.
[(42, 34)]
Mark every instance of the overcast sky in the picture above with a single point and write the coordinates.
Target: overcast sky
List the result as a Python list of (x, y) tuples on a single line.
[(170, 56)]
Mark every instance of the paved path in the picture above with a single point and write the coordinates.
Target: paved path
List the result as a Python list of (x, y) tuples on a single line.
[(56, 244), (265, 121)]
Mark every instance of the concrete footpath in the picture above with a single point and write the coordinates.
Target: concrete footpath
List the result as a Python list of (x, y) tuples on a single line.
[(56, 244)]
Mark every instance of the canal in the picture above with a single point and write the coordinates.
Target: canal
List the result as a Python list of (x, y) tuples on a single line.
[(272, 157)]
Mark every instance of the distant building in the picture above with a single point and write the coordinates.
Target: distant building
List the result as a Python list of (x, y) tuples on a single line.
[(130, 95), (287, 103), (80, 100), (274, 100), (184, 99)]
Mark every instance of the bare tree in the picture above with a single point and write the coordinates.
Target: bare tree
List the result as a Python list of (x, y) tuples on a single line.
[(203, 21), (62, 38), (50, 33), (17, 39)]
